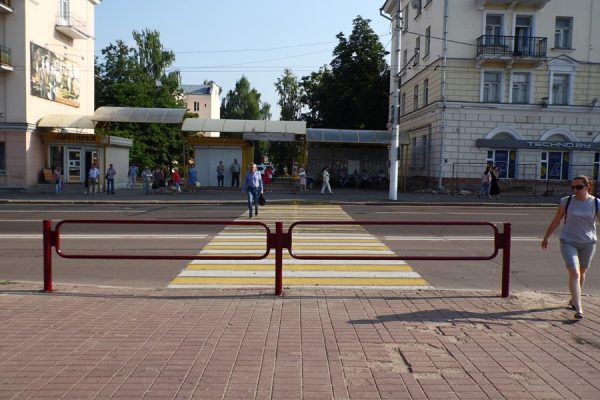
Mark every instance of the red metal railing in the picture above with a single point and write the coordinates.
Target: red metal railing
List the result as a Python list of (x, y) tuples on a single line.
[(278, 241)]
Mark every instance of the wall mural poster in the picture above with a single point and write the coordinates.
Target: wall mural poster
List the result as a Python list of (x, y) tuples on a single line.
[(54, 78)]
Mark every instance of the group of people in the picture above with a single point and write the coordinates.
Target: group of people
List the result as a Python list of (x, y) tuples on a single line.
[(489, 183), (234, 170)]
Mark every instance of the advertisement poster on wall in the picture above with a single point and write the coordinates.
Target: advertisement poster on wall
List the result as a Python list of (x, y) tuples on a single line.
[(54, 78)]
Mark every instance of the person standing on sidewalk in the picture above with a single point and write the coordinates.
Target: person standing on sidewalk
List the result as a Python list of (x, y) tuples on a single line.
[(147, 179), (58, 179), (132, 175), (325, 179), (235, 173), (486, 180), (578, 235), (494, 180), (93, 176), (220, 175), (176, 180), (253, 187), (110, 179)]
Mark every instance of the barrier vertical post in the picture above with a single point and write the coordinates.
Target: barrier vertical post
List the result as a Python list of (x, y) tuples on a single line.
[(278, 258), (506, 260), (47, 243)]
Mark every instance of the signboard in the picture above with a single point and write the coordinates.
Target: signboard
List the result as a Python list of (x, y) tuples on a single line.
[(538, 144), (54, 78)]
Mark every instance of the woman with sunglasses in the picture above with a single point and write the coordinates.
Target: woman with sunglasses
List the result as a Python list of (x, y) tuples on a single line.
[(578, 236)]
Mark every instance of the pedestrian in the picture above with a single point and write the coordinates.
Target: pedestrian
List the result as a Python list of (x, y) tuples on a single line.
[(235, 173), (132, 175), (93, 176), (486, 180), (192, 178), (578, 236), (176, 177), (110, 179), (295, 178), (158, 178), (495, 178), (220, 175), (325, 180), (253, 187), (58, 180), (267, 177), (147, 180), (302, 175)]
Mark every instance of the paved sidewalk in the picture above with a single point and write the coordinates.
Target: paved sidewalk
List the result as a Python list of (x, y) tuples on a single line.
[(110, 343)]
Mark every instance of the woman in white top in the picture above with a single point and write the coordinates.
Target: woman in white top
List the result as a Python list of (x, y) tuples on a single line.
[(578, 235), (325, 179)]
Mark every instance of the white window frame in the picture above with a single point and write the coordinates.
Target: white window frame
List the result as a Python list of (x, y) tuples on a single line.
[(495, 12), (417, 50), (558, 66), (570, 81), (561, 33), (500, 85), (529, 89)]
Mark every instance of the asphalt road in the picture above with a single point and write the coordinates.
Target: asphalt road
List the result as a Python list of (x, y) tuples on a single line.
[(531, 268)]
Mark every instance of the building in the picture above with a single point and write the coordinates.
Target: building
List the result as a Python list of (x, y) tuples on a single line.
[(515, 83), (47, 93), (204, 100)]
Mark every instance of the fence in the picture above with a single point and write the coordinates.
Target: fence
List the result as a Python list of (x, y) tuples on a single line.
[(277, 241)]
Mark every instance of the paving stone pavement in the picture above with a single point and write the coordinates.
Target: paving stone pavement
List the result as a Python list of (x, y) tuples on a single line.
[(119, 343)]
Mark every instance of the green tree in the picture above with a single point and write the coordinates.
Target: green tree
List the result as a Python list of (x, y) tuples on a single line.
[(353, 92), (138, 77), (290, 101), (243, 102)]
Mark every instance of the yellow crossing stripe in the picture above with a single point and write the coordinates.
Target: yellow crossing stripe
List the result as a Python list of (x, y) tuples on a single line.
[(299, 267), (224, 280)]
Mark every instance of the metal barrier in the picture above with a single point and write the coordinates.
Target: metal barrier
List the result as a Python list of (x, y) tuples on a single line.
[(278, 241)]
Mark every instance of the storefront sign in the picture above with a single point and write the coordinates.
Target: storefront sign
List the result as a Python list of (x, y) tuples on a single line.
[(72, 138), (538, 144)]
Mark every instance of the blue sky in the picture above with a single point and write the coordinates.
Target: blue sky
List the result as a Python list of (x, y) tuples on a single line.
[(222, 40)]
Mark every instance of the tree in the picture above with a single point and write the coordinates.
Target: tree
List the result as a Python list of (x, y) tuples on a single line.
[(244, 103), (290, 101), (353, 92), (138, 77)]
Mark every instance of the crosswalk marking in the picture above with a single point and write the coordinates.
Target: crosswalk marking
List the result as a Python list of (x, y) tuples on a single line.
[(309, 240)]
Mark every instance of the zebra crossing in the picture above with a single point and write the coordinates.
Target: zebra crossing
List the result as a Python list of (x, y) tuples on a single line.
[(311, 240)]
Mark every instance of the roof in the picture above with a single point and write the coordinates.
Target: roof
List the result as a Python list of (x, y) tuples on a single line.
[(195, 89), (243, 126), (138, 114), (66, 121), (349, 136)]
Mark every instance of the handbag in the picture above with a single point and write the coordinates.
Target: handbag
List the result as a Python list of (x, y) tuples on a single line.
[(261, 200)]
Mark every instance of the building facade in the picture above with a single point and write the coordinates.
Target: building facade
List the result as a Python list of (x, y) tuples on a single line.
[(515, 83), (47, 74)]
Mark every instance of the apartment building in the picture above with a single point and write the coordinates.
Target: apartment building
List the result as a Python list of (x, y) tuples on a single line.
[(515, 83), (204, 100), (47, 93)]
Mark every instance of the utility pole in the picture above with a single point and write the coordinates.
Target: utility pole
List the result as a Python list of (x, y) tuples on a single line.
[(394, 91)]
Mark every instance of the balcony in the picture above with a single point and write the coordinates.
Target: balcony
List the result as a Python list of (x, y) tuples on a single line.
[(524, 49), (5, 62), (71, 25), (512, 4), (5, 6)]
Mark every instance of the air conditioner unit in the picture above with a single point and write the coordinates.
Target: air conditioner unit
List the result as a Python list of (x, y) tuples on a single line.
[(487, 86)]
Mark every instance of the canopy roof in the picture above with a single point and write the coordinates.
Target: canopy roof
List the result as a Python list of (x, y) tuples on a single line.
[(243, 126), (352, 136), (66, 121), (138, 114)]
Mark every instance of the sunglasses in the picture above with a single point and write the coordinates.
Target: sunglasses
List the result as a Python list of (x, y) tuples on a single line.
[(578, 187)]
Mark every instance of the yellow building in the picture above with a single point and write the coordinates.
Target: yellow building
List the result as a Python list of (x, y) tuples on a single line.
[(515, 83)]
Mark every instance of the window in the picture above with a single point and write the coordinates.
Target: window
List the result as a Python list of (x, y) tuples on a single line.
[(404, 58), (405, 19), (563, 32), (491, 87), (2, 157), (403, 103), (55, 157), (196, 106), (560, 89), (424, 151), (417, 50), (416, 4), (554, 165), (427, 41), (426, 92), (65, 8), (520, 88), (419, 152), (493, 30), (416, 97), (414, 153), (505, 161)]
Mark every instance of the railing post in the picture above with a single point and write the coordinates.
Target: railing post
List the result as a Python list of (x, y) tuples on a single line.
[(506, 260), (47, 243), (278, 258)]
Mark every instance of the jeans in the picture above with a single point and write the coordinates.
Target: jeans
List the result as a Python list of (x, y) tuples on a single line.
[(110, 186), (253, 193), (220, 180), (235, 179), (147, 187)]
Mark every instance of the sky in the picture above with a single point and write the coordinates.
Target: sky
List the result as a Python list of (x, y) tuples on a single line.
[(221, 40)]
